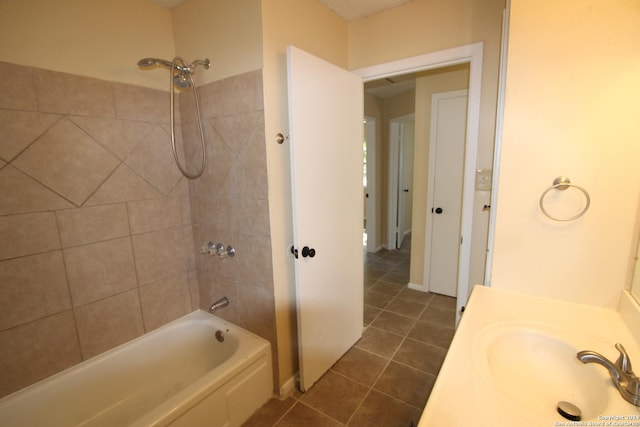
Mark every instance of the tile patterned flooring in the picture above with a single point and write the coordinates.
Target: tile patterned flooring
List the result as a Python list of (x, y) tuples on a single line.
[(386, 377)]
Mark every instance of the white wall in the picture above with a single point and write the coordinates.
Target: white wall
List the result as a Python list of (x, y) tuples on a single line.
[(572, 108)]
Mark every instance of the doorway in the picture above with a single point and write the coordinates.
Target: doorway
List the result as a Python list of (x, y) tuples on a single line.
[(400, 201), (369, 186), (471, 54)]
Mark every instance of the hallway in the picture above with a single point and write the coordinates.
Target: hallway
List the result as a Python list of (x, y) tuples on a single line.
[(386, 377)]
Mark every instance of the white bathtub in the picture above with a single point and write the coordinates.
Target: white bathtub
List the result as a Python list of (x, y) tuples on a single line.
[(178, 375)]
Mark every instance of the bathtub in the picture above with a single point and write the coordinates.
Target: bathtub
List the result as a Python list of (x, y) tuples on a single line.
[(177, 375)]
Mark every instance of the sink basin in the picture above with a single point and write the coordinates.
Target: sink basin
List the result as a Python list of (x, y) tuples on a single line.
[(513, 360), (536, 367)]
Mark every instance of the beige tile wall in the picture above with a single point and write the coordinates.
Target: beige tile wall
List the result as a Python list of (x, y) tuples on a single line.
[(100, 231), (230, 205)]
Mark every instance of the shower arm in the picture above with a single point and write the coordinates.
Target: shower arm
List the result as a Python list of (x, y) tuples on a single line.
[(190, 68), (183, 68), (205, 63)]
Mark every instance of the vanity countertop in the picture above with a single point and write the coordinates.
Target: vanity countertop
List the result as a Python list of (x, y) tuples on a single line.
[(491, 375)]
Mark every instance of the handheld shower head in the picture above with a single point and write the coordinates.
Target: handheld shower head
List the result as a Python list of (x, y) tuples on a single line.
[(154, 62), (181, 71), (180, 78)]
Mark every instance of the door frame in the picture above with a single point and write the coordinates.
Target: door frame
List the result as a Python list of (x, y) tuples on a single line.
[(497, 147), (396, 136), (472, 54), (428, 244), (371, 201)]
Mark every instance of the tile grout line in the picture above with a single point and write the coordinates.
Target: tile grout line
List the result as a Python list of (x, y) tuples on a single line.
[(390, 358)]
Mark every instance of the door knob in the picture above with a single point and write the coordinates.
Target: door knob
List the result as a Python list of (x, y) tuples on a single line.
[(308, 252), (438, 211)]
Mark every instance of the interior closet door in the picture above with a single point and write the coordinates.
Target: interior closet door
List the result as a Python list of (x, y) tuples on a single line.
[(326, 136), (448, 119)]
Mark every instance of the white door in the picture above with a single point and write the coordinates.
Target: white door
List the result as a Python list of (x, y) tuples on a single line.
[(401, 138), (370, 184), (326, 134), (446, 159), (406, 187)]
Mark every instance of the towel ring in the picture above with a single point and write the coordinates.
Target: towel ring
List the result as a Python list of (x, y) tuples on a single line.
[(562, 183)]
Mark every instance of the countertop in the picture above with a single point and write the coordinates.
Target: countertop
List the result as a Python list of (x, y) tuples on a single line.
[(464, 395)]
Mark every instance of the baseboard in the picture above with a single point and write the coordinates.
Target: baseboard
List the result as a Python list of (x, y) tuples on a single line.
[(289, 385), (377, 249), (417, 287)]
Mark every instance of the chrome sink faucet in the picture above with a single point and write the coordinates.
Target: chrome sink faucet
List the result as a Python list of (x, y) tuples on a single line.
[(625, 380)]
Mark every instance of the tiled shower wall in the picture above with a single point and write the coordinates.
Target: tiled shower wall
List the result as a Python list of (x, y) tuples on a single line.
[(229, 203), (95, 222)]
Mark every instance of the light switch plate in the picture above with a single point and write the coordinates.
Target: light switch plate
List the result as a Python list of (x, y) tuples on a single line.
[(483, 179)]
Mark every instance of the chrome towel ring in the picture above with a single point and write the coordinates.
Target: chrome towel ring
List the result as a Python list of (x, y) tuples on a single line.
[(562, 183)]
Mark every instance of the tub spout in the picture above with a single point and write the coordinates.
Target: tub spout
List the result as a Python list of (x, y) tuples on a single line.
[(222, 302)]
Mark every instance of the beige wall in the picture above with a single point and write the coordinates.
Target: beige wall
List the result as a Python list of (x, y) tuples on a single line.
[(310, 26), (572, 102), (105, 38), (414, 28), (229, 33), (102, 38)]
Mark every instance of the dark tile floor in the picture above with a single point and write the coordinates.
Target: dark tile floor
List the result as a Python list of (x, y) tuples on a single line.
[(386, 377)]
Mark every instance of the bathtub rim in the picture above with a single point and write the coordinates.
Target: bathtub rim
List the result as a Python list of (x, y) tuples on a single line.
[(250, 345)]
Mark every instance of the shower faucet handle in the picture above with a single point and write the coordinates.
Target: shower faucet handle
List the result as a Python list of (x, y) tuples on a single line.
[(218, 249), (208, 248), (223, 252)]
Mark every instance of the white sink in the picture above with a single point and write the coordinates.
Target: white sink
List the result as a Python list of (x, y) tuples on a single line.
[(536, 366), (513, 359)]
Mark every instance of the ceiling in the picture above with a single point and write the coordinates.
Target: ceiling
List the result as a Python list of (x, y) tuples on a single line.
[(348, 9), (351, 10), (168, 3), (391, 86), (394, 85)]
